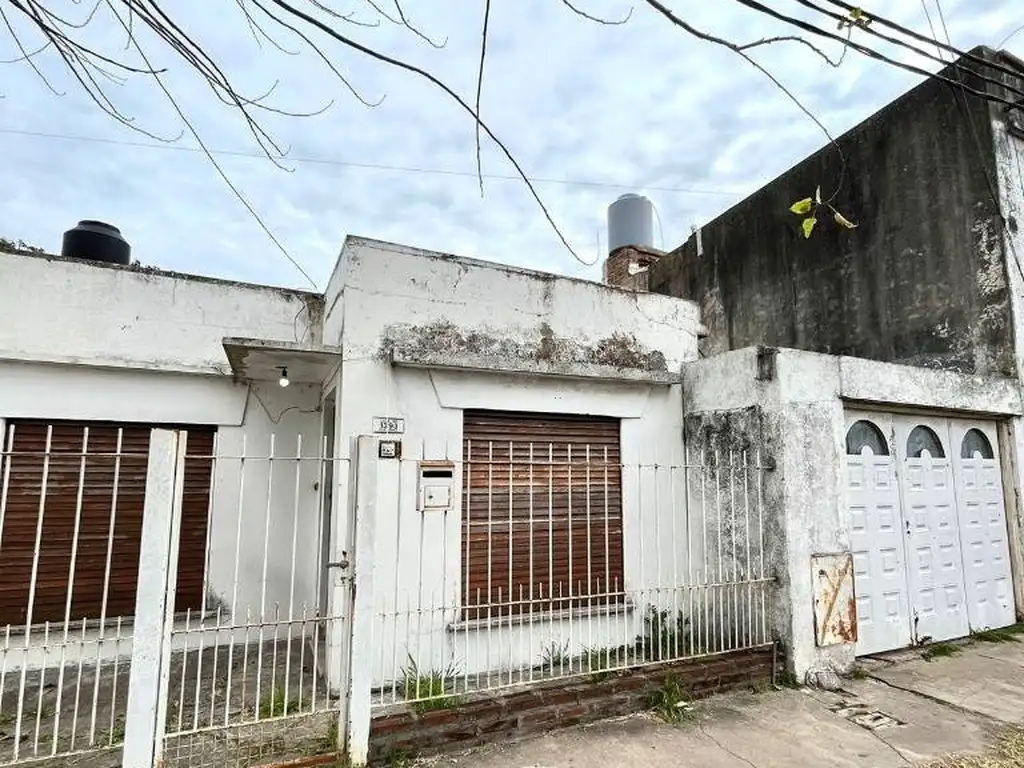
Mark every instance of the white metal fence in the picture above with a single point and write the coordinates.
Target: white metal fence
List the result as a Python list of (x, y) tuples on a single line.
[(216, 630), (558, 563), (245, 618), (63, 652)]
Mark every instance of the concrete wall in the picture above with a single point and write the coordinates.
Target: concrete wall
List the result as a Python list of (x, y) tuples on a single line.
[(921, 281), (559, 346), (793, 408), (245, 419), (1008, 132), (85, 313), (87, 342)]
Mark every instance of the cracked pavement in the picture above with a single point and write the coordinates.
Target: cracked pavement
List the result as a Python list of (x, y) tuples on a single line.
[(906, 712)]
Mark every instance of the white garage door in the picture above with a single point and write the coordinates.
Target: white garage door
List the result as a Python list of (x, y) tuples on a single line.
[(927, 528)]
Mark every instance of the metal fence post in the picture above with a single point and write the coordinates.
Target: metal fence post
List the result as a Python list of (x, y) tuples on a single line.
[(154, 601), (360, 666)]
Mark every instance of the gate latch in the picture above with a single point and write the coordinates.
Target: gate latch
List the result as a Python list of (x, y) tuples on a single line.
[(343, 563)]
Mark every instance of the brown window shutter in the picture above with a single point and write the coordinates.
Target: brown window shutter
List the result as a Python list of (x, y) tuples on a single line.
[(541, 513), (101, 500)]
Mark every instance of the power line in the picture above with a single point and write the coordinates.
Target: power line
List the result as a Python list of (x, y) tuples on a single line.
[(870, 52), (370, 166), (925, 39)]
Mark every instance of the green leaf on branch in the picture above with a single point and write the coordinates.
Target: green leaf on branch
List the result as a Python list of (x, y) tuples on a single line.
[(808, 225), (802, 207)]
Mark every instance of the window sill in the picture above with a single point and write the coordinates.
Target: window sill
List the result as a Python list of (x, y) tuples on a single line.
[(587, 612)]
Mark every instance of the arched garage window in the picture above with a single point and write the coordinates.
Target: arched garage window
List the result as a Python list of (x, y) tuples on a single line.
[(923, 439), (976, 446), (863, 434)]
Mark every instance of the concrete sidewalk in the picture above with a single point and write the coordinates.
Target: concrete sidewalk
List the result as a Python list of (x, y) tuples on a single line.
[(909, 711)]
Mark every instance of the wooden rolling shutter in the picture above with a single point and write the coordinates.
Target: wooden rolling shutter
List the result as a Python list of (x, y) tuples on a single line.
[(542, 512), (113, 486)]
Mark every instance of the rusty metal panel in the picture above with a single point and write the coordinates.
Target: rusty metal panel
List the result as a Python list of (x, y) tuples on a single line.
[(541, 510), (93, 482), (835, 607)]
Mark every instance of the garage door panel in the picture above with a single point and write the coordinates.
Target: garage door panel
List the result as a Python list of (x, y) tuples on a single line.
[(982, 519), (938, 610), (876, 537)]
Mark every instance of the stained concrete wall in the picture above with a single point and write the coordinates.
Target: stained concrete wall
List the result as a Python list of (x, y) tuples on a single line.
[(58, 310), (921, 281), (791, 403), (83, 341), (425, 337)]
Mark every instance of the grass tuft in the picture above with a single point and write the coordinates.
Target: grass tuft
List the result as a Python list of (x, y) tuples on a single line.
[(274, 704), (428, 689), (1008, 753), (1011, 634), (939, 651), (859, 673), (671, 702)]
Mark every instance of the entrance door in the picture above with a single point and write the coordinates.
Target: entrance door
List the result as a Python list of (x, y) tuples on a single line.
[(982, 518), (935, 565), (876, 535)]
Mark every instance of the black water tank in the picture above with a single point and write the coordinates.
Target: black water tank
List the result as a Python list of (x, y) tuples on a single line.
[(96, 241)]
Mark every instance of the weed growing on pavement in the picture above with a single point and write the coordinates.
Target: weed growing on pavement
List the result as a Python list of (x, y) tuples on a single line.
[(786, 679), (939, 651), (1011, 634), (859, 673), (1007, 753), (274, 704), (670, 701)]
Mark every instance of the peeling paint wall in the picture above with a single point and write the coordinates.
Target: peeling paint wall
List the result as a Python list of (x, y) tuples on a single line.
[(57, 310), (796, 416), (85, 342), (1009, 151), (386, 296), (492, 337), (921, 280)]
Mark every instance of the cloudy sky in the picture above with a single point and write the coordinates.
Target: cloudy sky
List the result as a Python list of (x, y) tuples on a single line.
[(589, 111)]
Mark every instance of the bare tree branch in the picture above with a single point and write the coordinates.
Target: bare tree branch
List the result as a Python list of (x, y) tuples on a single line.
[(258, 31), (793, 39), (345, 16), (209, 156), (668, 14), (479, 86), (323, 57), (349, 43), (414, 30), (598, 19), (26, 56)]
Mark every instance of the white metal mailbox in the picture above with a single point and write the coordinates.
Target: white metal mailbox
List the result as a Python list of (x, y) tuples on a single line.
[(436, 489)]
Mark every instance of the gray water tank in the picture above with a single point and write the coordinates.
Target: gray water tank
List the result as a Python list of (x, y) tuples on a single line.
[(630, 222)]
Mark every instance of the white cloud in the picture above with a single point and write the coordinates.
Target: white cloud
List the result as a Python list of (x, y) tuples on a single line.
[(642, 105)]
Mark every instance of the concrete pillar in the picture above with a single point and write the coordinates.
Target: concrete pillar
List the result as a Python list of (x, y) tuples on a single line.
[(145, 721)]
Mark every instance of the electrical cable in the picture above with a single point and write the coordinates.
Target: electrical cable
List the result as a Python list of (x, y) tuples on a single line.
[(372, 166), (870, 52)]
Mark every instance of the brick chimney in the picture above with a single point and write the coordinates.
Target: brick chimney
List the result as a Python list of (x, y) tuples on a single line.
[(627, 266)]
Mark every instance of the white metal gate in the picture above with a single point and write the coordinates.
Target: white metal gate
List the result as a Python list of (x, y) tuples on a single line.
[(261, 673), (928, 529)]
